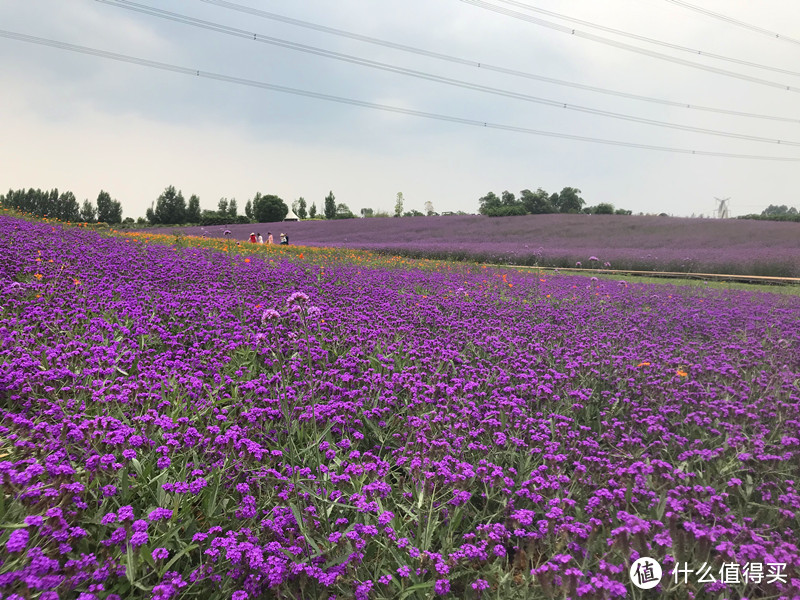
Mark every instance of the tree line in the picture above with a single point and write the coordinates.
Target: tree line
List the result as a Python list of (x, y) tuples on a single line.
[(540, 202), (776, 213), (171, 208), (63, 206)]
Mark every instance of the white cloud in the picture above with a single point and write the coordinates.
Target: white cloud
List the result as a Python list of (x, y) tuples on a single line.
[(84, 123)]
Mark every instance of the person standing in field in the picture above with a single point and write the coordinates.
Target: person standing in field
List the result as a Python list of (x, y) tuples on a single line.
[(260, 239), (284, 241), (269, 238), (252, 238)]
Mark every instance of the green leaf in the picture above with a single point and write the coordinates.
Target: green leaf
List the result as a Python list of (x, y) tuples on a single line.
[(414, 588), (175, 558), (299, 518), (130, 568), (147, 554)]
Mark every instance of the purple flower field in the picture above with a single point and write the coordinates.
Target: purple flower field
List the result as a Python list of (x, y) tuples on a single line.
[(627, 242), (184, 421)]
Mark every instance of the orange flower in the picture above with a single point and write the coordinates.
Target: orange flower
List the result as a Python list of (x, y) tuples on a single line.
[(76, 281), (38, 275), (680, 373), (643, 364), (301, 255), (247, 260)]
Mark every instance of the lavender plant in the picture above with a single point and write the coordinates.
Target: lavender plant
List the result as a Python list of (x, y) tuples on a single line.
[(185, 422)]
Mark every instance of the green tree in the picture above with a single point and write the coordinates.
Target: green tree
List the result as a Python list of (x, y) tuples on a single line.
[(88, 212), (269, 209), (312, 211), (489, 203), (508, 199), (193, 213), (222, 206), (398, 205), (233, 209), (301, 211), (248, 209), (170, 207), (604, 208), (774, 210), (367, 212), (330, 206), (108, 210), (67, 207), (569, 200), (536, 203), (343, 211)]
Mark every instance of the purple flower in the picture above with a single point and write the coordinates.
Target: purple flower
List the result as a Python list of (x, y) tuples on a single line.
[(404, 571), (125, 513), (159, 514), (140, 538), (160, 553), (269, 315), (18, 540), (197, 485), (139, 525), (442, 587), (299, 297)]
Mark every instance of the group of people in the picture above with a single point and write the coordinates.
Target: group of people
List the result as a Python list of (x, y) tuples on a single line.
[(255, 238)]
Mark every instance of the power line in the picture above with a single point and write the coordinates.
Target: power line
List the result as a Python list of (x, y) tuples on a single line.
[(214, 26), (384, 107), (484, 65), (643, 38), (609, 42), (736, 22)]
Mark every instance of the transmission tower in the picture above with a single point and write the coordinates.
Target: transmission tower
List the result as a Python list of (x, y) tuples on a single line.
[(722, 208)]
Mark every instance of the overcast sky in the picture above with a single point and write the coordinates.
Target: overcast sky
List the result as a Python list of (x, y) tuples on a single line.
[(84, 123)]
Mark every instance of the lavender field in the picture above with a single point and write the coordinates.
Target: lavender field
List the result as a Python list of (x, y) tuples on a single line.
[(231, 422), (627, 242)]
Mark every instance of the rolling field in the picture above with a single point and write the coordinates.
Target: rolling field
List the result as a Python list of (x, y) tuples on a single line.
[(206, 419), (627, 242)]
